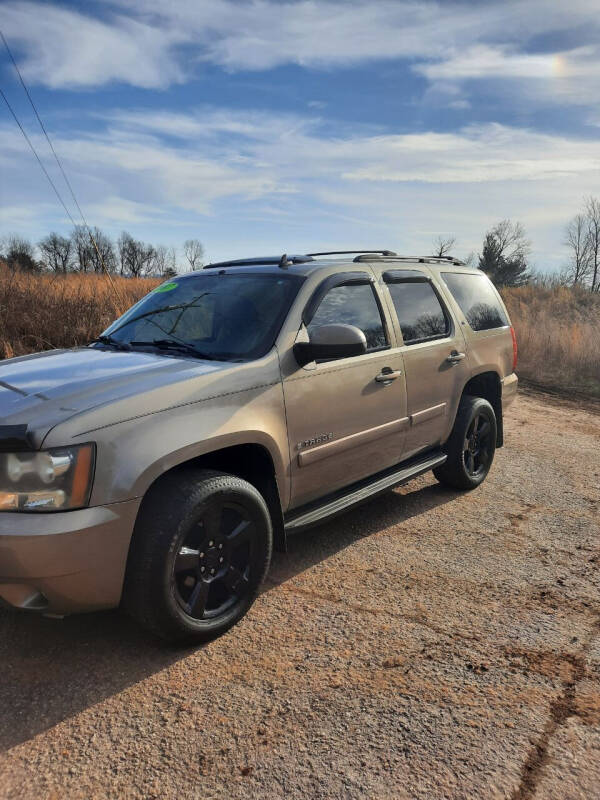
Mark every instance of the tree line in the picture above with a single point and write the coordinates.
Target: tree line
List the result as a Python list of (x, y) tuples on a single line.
[(505, 253), (92, 250)]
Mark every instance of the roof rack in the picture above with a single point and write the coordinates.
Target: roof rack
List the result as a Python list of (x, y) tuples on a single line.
[(351, 252), (421, 259), (282, 261), (453, 259)]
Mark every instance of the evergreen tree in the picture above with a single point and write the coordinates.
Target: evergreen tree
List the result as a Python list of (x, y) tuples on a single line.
[(505, 253)]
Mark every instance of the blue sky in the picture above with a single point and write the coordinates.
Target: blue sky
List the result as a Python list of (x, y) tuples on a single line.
[(263, 127)]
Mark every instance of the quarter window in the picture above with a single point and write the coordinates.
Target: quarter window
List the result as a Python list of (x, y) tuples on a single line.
[(419, 311), (477, 300), (352, 304)]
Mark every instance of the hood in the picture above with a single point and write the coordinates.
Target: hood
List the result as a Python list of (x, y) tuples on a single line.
[(46, 388)]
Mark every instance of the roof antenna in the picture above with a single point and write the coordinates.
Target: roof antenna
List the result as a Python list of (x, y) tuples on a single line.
[(283, 262)]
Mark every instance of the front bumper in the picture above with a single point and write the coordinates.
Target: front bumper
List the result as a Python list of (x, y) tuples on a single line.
[(64, 562)]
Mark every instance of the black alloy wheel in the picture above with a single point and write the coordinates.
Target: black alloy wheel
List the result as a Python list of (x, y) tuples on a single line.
[(211, 568), (477, 446)]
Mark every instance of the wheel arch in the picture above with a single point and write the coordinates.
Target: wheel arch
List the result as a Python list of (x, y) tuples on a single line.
[(251, 461)]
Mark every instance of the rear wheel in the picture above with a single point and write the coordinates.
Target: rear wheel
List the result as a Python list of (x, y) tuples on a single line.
[(201, 549), (471, 445)]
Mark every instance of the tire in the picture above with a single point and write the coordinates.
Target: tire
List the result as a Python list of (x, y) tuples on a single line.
[(471, 445), (201, 548)]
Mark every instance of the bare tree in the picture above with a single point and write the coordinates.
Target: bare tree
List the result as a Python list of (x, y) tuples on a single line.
[(578, 240), (83, 248), (164, 261), (20, 254), (57, 252), (171, 269), (135, 256), (194, 252), (89, 258), (443, 245), (592, 212), (103, 252), (505, 254), (159, 260)]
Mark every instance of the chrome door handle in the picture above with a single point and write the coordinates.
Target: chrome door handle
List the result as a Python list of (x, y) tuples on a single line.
[(455, 357), (388, 375)]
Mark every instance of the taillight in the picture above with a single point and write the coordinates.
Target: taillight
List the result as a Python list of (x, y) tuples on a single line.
[(515, 349)]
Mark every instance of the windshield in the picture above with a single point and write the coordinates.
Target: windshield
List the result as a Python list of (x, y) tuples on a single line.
[(217, 316)]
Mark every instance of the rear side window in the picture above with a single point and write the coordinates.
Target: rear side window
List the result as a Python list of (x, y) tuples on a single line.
[(419, 311), (353, 304), (477, 300)]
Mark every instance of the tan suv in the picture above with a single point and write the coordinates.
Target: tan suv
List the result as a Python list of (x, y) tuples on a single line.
[(231, 407)]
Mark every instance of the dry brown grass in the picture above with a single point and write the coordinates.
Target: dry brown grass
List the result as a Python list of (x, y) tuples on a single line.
[(558, 333), (558, 329), (41, 312)]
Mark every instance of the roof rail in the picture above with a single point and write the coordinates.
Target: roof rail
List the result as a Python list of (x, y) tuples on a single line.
[(284, 261), (421, 259), (444, 258), (267, 261), (351, 252)]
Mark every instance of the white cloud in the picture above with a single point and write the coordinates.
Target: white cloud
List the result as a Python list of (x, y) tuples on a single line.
[(476, 154), (120, 211), (14, 217), (67, 49), (152, 43), (281, 179), (565, 77), (292, 149), (484, 61)]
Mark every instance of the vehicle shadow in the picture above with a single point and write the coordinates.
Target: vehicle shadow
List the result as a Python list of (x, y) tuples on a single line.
[(54, 669)]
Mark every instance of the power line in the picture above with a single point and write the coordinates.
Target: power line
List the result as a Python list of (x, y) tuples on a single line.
[(34, 151), (39, 119)]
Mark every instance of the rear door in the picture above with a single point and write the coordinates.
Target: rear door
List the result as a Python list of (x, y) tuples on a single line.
[(435, 357), (485, 322), (343, 423)]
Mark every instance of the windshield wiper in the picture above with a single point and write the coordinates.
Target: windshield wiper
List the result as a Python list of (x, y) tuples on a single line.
[(171, 344), (112, 342), (160, 311)]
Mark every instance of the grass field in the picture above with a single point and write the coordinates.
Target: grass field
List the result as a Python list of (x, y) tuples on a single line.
[(558, 329), (41, 312), (558, 333)]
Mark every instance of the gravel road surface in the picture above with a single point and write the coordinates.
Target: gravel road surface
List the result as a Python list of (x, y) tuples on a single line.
[(431, 644)]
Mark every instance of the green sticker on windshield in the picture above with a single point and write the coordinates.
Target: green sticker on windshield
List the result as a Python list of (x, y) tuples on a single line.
[(167, 287)]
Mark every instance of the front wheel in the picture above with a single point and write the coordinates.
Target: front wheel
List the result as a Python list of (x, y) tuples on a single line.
[(201, 549), (471, 445)]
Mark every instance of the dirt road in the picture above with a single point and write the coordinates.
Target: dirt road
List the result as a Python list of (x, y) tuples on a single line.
[(430, 645)]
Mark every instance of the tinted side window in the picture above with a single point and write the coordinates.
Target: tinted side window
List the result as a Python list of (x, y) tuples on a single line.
[(477, 300), (354, 304), (419, 311)]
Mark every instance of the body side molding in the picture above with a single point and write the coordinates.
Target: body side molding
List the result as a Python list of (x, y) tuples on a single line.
[(427, 414), (306, 457)]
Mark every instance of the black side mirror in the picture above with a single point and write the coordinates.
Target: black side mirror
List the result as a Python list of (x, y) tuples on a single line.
[(329, 342)]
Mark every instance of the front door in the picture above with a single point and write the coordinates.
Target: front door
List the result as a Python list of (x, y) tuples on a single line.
[(345, 420)]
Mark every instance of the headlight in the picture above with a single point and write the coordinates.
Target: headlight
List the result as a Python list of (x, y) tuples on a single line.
[(47, 480)]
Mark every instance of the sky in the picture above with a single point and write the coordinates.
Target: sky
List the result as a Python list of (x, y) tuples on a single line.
[(265, 127)]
